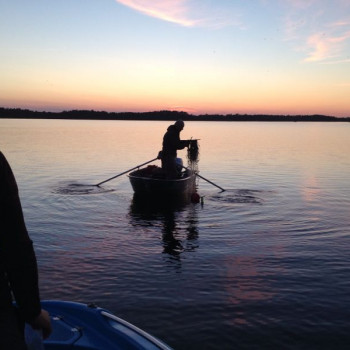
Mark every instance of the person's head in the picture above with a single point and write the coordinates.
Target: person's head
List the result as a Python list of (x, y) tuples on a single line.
[(179, 125)]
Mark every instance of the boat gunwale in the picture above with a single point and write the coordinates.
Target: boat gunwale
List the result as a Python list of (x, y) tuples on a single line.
[(160, 179)]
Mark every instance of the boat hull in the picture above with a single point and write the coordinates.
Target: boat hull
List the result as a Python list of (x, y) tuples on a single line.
[(157, 186), (83, 327)]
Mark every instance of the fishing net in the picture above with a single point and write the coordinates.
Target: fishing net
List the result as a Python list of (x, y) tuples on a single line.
[(193, 155)]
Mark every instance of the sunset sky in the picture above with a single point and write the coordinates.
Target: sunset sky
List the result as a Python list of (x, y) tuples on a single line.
[(199, 56)]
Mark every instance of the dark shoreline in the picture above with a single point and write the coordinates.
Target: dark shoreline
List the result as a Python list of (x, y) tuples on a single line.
[(18, 113)]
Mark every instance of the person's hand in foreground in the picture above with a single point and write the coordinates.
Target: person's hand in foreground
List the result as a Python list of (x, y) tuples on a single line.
[(43, 323)]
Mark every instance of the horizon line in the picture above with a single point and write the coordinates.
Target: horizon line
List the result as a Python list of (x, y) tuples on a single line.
[(213, 115)]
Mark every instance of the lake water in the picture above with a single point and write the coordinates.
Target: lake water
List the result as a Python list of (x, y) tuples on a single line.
[(263, 265)]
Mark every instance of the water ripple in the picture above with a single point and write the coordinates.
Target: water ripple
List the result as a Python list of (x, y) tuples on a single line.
[(240, 196), (74, 189)]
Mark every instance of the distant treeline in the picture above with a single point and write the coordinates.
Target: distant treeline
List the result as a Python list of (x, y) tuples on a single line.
[(17, 113)]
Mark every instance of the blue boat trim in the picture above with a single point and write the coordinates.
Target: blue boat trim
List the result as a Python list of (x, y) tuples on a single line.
[(83, 327), (144, 334)]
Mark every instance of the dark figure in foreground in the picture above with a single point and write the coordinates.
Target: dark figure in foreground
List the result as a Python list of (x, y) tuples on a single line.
[(18, 269), (171, 143)]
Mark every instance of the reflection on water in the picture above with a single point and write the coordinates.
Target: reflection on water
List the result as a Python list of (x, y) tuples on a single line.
[(177, 236)]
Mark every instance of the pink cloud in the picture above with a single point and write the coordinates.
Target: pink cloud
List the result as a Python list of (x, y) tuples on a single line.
[(319, 46), (175, 11), (320, 29), (341, 23), (188, 13), (323, 47)]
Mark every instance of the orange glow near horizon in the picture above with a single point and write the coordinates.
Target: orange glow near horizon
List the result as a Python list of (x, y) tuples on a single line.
[(170, 85), (195, 97)]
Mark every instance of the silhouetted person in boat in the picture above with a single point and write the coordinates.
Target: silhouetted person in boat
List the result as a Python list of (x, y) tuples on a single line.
[(18, 269), (171, 143)]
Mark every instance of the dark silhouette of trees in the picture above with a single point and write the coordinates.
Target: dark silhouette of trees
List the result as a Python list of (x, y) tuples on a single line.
[(17, 113)]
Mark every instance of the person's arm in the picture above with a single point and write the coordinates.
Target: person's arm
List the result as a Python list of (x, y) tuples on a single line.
[(178, 143), (17, 248), (184, 143)]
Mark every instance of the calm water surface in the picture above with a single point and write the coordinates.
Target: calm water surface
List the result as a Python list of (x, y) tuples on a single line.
[(263, 265)]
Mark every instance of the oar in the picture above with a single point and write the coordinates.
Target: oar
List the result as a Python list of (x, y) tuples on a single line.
[(127, 171), (202, 177)]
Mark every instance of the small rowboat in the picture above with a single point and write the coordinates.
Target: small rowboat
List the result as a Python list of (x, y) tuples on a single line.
[(151, 181), (83, 327)]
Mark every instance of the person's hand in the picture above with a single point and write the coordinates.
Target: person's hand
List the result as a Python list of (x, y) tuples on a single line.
[(43, 323)]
